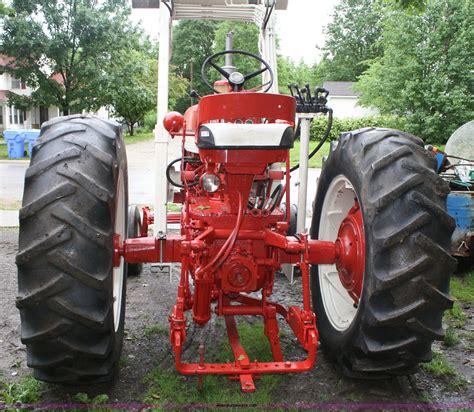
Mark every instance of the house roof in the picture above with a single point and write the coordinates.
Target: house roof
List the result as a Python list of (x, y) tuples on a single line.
[(340, 89), (58, 78), (5, 60), (3, 96)]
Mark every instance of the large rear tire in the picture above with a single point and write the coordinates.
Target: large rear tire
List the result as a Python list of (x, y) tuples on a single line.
[(71, 298), (405, 283)]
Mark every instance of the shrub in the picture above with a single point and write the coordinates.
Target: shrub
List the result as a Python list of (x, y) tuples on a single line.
[(150, 121), (346, 125)]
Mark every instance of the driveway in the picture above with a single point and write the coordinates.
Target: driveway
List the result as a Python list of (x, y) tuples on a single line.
[(141, 161)]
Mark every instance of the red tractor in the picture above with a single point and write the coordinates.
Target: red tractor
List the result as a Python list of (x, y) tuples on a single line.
[(375, 267)]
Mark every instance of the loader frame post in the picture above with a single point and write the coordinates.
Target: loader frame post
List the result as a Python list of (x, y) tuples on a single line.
[(161, 135), (305, 120)]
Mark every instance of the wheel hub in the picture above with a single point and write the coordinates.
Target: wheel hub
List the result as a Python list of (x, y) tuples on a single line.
[(350, 246)]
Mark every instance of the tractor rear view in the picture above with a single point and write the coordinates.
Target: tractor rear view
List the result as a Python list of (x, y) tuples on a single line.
[(374, 267)]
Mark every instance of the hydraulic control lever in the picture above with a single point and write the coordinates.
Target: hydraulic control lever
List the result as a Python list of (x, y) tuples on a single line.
[(308, 103)]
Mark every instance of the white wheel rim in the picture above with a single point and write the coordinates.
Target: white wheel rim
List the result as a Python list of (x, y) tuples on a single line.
[(119, 271), (338, 304)]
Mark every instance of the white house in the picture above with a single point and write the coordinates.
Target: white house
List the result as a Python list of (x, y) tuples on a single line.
[(343, 101), (13, 118)]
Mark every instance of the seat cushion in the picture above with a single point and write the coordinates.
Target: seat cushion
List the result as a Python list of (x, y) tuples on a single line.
[(245, 136)]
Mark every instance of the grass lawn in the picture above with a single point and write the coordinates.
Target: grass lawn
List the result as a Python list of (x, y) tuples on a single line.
[(316, 161), (138, 137), (4, 151), (166, 386), (462, 287)]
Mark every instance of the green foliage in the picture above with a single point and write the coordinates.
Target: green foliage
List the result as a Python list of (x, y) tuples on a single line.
[(289, 73), (195, 40), (3, 9), (424, 74), (65, 50), (133, 79), (96, 400), (170, 387), (353, 39), (417, 5), (192, 42), (246, 39), (100, 399), (27, 391), (150, 121), (133, 87), (339, 126)]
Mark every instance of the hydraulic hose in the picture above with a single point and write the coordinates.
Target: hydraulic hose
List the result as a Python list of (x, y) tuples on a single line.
[(229, 243), (323, 140), (168, 172), (274, 198)]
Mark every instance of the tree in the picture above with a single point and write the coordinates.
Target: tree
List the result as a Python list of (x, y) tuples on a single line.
[(195, 40), (192, 42), (245, 39), (425, 73), (408, 4), (289, 73), (64, 49), (132, 86), (4, 10), (352, 40)]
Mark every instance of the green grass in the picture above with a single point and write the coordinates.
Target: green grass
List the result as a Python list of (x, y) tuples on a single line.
[(174, 207), (439, 366), (316, 161), (27, 391), (87, 400), (171, 387), (462, 288), (456, 316), (451, 338), (8, 204), (153, 330), (139, 136), (4, 151)]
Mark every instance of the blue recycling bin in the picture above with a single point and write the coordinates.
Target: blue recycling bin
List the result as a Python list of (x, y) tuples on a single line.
[(15, 143), (31, 136)]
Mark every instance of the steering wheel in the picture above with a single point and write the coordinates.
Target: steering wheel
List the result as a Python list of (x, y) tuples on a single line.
[(236, 79)]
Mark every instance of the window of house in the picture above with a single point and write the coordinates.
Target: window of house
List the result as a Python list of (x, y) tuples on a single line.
[(17, 116), (1, 115), (18, 84)]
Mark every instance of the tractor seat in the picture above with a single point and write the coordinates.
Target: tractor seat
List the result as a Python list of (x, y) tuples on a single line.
[(245, 136)]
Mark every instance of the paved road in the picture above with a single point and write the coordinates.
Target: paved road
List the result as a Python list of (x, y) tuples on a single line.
[(140, 171)]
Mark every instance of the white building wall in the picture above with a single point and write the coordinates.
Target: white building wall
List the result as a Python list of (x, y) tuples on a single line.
[(346, 107), (5, 82), (103, 113), (53, 112), (32, 116)]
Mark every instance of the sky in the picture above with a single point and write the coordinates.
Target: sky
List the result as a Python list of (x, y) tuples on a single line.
[(300, 28)]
